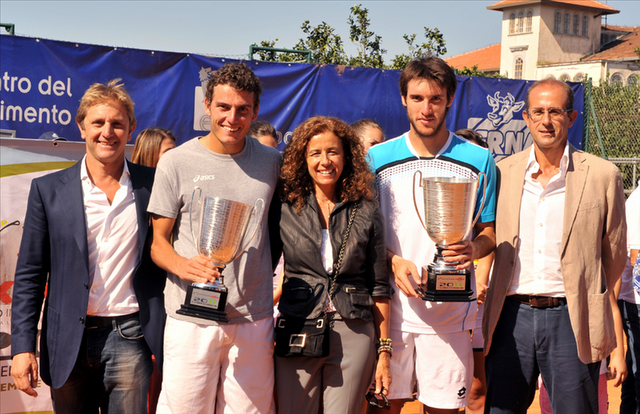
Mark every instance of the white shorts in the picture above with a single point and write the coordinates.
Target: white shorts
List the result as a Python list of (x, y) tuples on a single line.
[(442, 365), (221, 369)]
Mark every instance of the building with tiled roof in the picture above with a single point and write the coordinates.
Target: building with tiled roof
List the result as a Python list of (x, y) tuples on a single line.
[(585, 4), (616, 60), (487, 59), (564, 39)]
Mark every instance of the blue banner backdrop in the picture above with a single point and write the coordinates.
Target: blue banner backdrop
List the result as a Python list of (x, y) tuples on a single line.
[(42, 81)]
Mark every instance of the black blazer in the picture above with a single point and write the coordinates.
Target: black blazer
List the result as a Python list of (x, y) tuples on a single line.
[(364, 268), (54, 250)]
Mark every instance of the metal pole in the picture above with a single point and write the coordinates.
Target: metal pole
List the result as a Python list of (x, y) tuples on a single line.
[(9, 27), (587, 114), (253, 49)]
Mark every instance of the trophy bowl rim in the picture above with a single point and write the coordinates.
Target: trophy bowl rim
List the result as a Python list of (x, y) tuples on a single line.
[(454, 180)]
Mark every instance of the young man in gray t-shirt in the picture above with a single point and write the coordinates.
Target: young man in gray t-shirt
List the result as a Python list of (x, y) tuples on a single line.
[(211, 364)]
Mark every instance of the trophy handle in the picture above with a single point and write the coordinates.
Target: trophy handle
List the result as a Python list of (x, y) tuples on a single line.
[(193, 236), (484, 195), (258, 209), (413, 190)]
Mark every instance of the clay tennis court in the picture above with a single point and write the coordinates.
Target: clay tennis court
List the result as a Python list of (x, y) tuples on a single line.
[(614, 403)]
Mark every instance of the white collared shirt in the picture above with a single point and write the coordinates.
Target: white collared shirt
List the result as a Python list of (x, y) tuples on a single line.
[(537, 269), (112, 239)]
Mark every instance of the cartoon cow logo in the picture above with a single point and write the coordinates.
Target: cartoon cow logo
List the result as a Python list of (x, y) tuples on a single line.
[(503, 108)]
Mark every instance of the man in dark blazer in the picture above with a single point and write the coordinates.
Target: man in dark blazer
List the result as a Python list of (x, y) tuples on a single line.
[(86, 235)]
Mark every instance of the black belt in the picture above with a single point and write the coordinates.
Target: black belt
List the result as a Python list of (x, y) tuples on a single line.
[(539, 301), (93, 322)]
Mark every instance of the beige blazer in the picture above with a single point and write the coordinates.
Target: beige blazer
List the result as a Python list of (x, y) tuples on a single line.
[(593, 247)]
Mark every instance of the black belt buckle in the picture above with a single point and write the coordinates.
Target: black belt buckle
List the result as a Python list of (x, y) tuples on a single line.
[(95, 322)]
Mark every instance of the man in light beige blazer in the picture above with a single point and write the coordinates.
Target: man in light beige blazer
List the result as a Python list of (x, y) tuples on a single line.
[(560, 249)]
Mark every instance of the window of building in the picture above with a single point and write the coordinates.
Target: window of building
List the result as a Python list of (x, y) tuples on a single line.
[(567, 22), (529, 22), (576, 25), (518, 68), (520, 21), (616, 79), (549, 77), (556, 22), (579, 77), (512, 23), (585, 26), (633, 80), (565, 78)]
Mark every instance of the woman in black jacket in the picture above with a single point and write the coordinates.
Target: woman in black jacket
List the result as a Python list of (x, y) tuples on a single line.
[(324, 179)]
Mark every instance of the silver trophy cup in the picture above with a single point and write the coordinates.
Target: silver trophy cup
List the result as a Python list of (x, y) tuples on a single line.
[(222, 227), (448, 208)]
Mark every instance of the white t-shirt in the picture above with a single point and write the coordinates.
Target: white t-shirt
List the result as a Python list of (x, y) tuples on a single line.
[(633, 242), (243, 177)]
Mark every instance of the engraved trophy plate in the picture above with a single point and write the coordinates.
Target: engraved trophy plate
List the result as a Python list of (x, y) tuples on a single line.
[(448, 209), (222, 227)]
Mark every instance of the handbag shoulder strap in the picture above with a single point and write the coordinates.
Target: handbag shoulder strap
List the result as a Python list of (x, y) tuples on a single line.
[(336, 266)]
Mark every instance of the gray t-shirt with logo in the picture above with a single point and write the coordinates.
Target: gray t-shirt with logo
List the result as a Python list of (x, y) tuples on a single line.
[(244, 177)]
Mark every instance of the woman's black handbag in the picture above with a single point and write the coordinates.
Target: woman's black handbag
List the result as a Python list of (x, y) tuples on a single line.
[(302, 337), (309, 337)]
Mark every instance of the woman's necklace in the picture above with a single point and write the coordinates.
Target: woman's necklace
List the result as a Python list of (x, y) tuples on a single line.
[(326, 207)]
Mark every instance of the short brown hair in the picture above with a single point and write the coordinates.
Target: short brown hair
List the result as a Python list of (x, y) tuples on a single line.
[(99, 93), (356, 180), (553, 82), (429, 68), (260, 128), (146, 151), (238, 76), (473, 136)]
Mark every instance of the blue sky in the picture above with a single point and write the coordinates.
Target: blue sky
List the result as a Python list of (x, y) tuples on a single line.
[(227, 28)]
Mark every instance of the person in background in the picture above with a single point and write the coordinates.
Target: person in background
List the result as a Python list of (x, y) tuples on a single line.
[(561, 248), (151, 144), (472, 136), (326, 184), (369, 131), (629, 304), (86, 243), (265, 133), (478, 392)]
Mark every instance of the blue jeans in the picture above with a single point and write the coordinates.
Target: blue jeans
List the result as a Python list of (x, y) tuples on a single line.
[(630, 400), (531, 341), (111, 373)]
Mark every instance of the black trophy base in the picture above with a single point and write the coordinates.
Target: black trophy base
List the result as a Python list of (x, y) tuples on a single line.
[(205, 301), (446, 285)]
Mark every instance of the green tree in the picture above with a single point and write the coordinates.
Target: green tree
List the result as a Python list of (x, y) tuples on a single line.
[(616, 110), (325, 44), (267, 55), (433, 46), (473, 71), (322, 41), (369, 44)]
